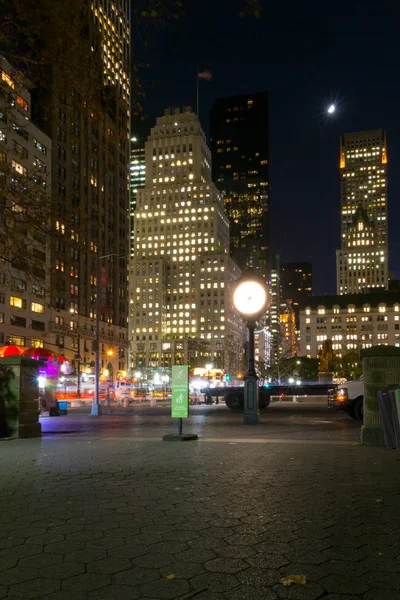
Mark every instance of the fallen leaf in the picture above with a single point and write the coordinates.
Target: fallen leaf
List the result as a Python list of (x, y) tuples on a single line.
[(357, 443), (290, 579), (380, 500), (380, 553), (171, 576), (177, 489)]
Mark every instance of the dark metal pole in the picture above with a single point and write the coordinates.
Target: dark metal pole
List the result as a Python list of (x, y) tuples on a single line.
[(180, 426), (252, 368), (96, 408), (251, 391), (78, 390)]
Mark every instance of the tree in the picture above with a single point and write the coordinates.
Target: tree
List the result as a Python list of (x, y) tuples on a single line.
[(297, 368)]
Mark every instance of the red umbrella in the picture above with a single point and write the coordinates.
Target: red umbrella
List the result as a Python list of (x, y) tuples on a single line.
[(10, 351), (38, 353)]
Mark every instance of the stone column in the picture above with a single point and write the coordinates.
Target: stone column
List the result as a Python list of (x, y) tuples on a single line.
[(381, 365), (20, 416)]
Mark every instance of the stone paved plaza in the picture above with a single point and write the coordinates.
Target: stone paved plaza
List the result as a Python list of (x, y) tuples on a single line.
[(98, 515)]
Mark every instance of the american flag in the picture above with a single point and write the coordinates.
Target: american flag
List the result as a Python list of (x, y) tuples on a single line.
[(207, 75)]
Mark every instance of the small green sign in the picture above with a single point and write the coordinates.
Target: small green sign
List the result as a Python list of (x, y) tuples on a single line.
[(180, 392)]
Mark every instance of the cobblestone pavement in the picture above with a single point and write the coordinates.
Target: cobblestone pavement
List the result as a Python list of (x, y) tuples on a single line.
[(134, 519)]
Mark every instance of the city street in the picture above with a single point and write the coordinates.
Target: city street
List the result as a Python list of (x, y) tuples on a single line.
[(101, 508)]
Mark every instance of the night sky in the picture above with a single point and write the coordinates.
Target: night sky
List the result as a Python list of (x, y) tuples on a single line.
[(306, 55)]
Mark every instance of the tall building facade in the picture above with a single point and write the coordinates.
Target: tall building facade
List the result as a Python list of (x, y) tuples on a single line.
[(362, 261), (137, 180), (240, 155), (113, 23), (273, 325), (25, 160), (295, 286), (89, 124), (352, 322), (182, 276)]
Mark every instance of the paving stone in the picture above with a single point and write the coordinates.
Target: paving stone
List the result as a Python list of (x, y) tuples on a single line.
[(86, 555), (258, 577), (381, 579), (248, 592), (8, 542), (307, 557), (136, 577), (383, 594), (64, 547), (165, 588), (214, 582), (109, 565), (17, 575), (34, 589), (225, 565), (86, 582), (231, 551), (266, 561), (21, 551), (310, 591), (151, 561), (128, 551), (341, 553), (195, 555), (168, 547), (344, 584), (106, 542), (3, 591), (312, 572), (186, 570), (117, 592), (62, 570), (8, 563), (207, 543)]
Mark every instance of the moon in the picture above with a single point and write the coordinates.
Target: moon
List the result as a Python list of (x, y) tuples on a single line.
[(331, 109)]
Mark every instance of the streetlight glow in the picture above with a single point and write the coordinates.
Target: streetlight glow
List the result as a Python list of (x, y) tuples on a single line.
[(331, 109)]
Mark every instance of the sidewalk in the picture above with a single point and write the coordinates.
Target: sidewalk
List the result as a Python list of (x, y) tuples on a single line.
[(119, 518)]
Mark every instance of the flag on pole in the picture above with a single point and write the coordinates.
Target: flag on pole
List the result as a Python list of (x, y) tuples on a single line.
[(207, 75)]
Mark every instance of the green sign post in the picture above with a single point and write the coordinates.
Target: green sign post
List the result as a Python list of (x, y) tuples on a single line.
[(180, 403), (180, 392)]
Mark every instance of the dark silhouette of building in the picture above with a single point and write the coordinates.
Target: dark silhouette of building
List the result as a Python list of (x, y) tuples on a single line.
[(295, 285), (239, 146)]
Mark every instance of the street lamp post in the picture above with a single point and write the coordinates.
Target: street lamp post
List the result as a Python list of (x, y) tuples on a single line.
[(250, 299)]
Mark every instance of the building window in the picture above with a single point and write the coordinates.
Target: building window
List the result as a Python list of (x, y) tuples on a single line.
[(22, 103), (16, 340), (37, 343), (1, 317), (38, 308), (7, 79), (20, 169), (17, 302), (17, 321), (38, 325)]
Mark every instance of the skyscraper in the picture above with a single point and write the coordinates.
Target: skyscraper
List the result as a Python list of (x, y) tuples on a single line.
[(87, 119), (362, 261), (25, 158), (113, 22), (137, 180), (295, 285), (182, 276), (239, 146)]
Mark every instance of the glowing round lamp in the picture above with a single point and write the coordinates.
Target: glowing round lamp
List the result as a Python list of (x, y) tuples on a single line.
[(250, 298)]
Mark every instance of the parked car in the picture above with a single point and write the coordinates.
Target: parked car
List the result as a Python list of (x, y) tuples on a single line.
[(348, 397)]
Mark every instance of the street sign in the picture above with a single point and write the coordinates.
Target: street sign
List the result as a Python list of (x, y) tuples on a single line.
[(180, 392)]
